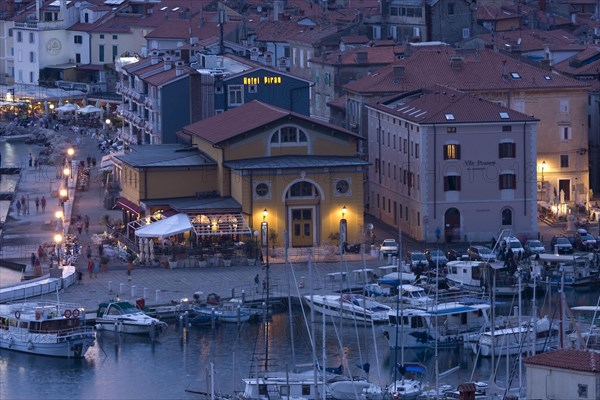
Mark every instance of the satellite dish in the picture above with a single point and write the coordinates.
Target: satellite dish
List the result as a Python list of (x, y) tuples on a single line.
[(259, 9)]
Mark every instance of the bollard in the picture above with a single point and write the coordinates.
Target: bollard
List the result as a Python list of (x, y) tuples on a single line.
[(389, 259), (394, 260), (145, 293), (243, 296), (109, 286), (121, 288), (133, 291), (157, 295)]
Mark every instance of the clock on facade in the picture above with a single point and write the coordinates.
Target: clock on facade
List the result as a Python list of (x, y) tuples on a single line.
[(53, 46), (342, 186)]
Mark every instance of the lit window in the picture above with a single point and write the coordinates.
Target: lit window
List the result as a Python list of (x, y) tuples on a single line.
[(452, 152)]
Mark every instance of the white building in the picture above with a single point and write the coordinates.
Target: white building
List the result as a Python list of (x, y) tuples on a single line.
[(448, 165), (565, 374)]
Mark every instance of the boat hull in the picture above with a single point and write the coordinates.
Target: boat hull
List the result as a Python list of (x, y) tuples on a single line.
[(74, 348), (129, 327)]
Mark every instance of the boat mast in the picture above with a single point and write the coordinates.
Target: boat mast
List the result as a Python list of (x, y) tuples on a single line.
[(289, 278), (312, 325)]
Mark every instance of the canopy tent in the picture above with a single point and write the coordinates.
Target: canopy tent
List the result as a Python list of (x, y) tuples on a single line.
[(174, 225), (67, 107), (89, 109)]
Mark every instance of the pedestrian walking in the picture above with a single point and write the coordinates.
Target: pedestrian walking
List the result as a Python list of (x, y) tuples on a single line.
[(89, 161), (41, 253), (88, 252), (256, 281), (33, 258), (90, 266), (86, 224), (18, 205), (37, 204), (30, 160), (94, 162), (264, 285), (79, 276), (43, 204), (96, 268), (100, 250), (79, 225), (23, 206)]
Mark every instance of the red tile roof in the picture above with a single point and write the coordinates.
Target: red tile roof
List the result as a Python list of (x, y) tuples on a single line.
[(375, 55), (577, 360), (479, 70), (201, 25), (586, 62), (314, 34), (245, 118), (277, 31), (357, 39), (441, 105), (494, 13), (535, 39)]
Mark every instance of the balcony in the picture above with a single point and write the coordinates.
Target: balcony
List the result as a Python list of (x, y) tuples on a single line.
[(81, 86), (42, 25)]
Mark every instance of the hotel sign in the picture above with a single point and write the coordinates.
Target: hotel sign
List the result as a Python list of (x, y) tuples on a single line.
[(478, 164), (264, 80)]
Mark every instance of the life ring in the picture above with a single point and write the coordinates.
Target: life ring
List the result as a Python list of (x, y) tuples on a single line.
[(67, 313), (17, 314), (76, 313)]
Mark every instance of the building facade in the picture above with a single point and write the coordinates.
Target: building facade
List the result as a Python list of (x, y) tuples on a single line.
[(450, 166)]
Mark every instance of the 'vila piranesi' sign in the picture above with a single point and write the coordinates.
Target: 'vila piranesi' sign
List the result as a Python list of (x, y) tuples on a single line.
[(264, 80)]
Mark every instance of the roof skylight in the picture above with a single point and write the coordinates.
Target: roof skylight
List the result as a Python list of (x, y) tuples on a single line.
[(449, 117), (504, 115), (515, 75)]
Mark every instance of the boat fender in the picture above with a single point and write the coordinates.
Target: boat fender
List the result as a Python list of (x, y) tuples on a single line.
[(67, 313), (17, 314), (29, 345), (11, 341), (76, 313)]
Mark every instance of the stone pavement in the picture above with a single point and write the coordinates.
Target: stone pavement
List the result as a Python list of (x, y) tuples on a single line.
[(22, 234)]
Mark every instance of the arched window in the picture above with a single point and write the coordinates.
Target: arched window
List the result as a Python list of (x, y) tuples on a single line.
[(302, 189), (507, 216), (288, 135)]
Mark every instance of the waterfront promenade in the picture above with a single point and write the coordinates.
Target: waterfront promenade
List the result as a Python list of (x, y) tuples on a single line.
[(23, 234)]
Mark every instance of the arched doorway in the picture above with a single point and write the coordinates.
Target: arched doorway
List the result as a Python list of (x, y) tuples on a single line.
[(452, 224), (507, 218), (302, 202)]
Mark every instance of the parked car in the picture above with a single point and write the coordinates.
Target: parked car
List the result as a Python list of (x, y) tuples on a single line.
[(436, 257), (561, 245), (416, 259), (481, 253), (452, 255), (585, 241), (534, 246), (389, 246)]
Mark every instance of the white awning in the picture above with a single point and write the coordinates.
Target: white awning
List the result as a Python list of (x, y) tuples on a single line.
[(178, 223)]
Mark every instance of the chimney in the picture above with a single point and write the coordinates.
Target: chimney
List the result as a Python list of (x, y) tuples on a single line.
[(398, 71), (168, 63), (456, 63), (179, 68), (339, 58), (362, 57), (277, 9), (10, 8), (154, 58)]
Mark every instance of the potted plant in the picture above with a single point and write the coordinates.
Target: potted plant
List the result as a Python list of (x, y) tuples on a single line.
[(273, 236), (251, 251)]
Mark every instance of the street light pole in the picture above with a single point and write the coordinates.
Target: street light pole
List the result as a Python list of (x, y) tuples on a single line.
[(264, 230), (58, 240)]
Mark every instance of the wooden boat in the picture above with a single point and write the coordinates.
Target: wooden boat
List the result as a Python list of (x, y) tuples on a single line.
[(569, 270), (45, 328), (476, 277), (124, 317)]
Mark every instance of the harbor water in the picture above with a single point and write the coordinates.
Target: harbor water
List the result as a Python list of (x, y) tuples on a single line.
[(134, 367)]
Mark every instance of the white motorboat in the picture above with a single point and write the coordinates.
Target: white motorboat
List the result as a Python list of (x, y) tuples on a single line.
[(123, 317), (538, 336), (45, 328), (284, 385), (449, 324), (415, 296), (355, 307), (585, 327)]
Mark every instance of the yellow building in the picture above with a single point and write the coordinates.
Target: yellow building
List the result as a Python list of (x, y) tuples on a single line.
[(255, 163)]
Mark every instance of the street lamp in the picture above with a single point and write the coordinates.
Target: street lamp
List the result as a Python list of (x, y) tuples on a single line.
[(264, 236), (543, 166), (60, 216), (58, 240), (67, 173), (256, 256), (343, 230)]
